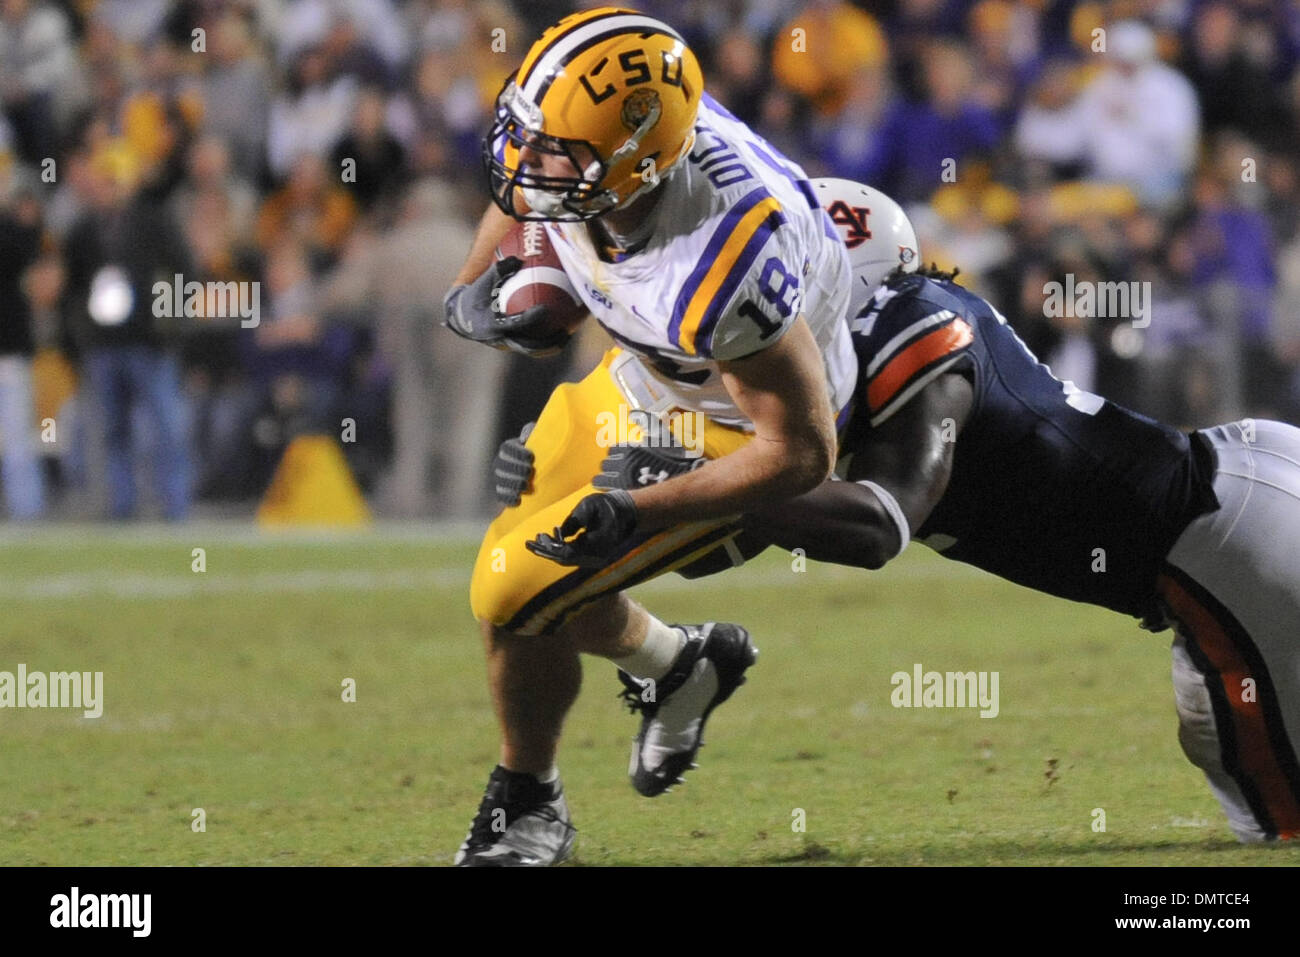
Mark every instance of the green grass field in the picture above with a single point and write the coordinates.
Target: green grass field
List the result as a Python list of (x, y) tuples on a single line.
[(222, 691)]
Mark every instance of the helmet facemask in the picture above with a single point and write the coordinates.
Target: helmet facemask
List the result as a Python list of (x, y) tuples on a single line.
[(575, 197)]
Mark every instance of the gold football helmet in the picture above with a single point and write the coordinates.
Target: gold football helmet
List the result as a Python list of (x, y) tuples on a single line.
[(602, 107)]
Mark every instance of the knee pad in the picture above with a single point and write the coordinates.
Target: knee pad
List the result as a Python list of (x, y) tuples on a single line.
[(1198, 732)]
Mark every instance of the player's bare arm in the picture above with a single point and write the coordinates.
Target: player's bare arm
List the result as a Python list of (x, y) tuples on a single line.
[(909, 455), (492, 228), (782, 390)]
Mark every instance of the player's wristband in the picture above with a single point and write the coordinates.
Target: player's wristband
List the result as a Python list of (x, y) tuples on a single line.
[(895, 512)]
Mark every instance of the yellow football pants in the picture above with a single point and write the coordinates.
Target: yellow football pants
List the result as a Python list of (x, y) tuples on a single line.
[(530, 595)]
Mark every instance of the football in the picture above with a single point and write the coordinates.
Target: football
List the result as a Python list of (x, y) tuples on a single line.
[(541, 281)]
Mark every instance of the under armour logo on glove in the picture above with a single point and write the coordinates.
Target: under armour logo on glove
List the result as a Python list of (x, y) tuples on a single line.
[(633, 466)]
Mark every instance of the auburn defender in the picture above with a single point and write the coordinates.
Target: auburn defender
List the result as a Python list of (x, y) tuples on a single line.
[(706, 256), (962, 440)]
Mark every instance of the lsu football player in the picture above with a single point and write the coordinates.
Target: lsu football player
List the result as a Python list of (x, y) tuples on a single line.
[(962, 440), (707, 257)]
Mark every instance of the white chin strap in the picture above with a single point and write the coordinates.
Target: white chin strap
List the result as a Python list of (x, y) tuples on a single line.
[(552, 204), (546, 203)]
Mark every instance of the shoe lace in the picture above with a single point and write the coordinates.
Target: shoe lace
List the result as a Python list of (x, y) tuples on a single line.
[(481, 831), (632, 699), (631, 695)]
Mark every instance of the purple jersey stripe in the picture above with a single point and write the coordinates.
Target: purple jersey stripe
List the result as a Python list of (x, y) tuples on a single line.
[(704, 334), (715, 244)]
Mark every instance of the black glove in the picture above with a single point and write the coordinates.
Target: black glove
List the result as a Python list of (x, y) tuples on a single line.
[(636, 466), (512, 470), (469, 310), (593, 533)]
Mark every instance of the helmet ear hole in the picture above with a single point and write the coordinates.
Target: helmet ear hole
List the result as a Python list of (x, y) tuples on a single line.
[(871, 276)]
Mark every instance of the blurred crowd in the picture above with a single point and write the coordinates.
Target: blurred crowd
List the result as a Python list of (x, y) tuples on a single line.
[(328, 151)]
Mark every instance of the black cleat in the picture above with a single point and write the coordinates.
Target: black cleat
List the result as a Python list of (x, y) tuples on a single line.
[(521, 823), (673, 709)]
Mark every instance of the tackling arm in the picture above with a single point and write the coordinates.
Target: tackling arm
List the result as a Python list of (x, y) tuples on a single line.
[(909, 455)]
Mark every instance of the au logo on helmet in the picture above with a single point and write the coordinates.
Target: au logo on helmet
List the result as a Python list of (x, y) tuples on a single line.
[(855, 218), (602, 107)]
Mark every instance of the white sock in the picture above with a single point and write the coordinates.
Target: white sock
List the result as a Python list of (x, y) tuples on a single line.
[(657, 653)]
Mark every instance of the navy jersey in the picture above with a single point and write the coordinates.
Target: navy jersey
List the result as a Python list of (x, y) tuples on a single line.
[(1052, 487)]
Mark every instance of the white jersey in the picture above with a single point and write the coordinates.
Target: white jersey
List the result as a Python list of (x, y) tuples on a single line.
[(740, 249)]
